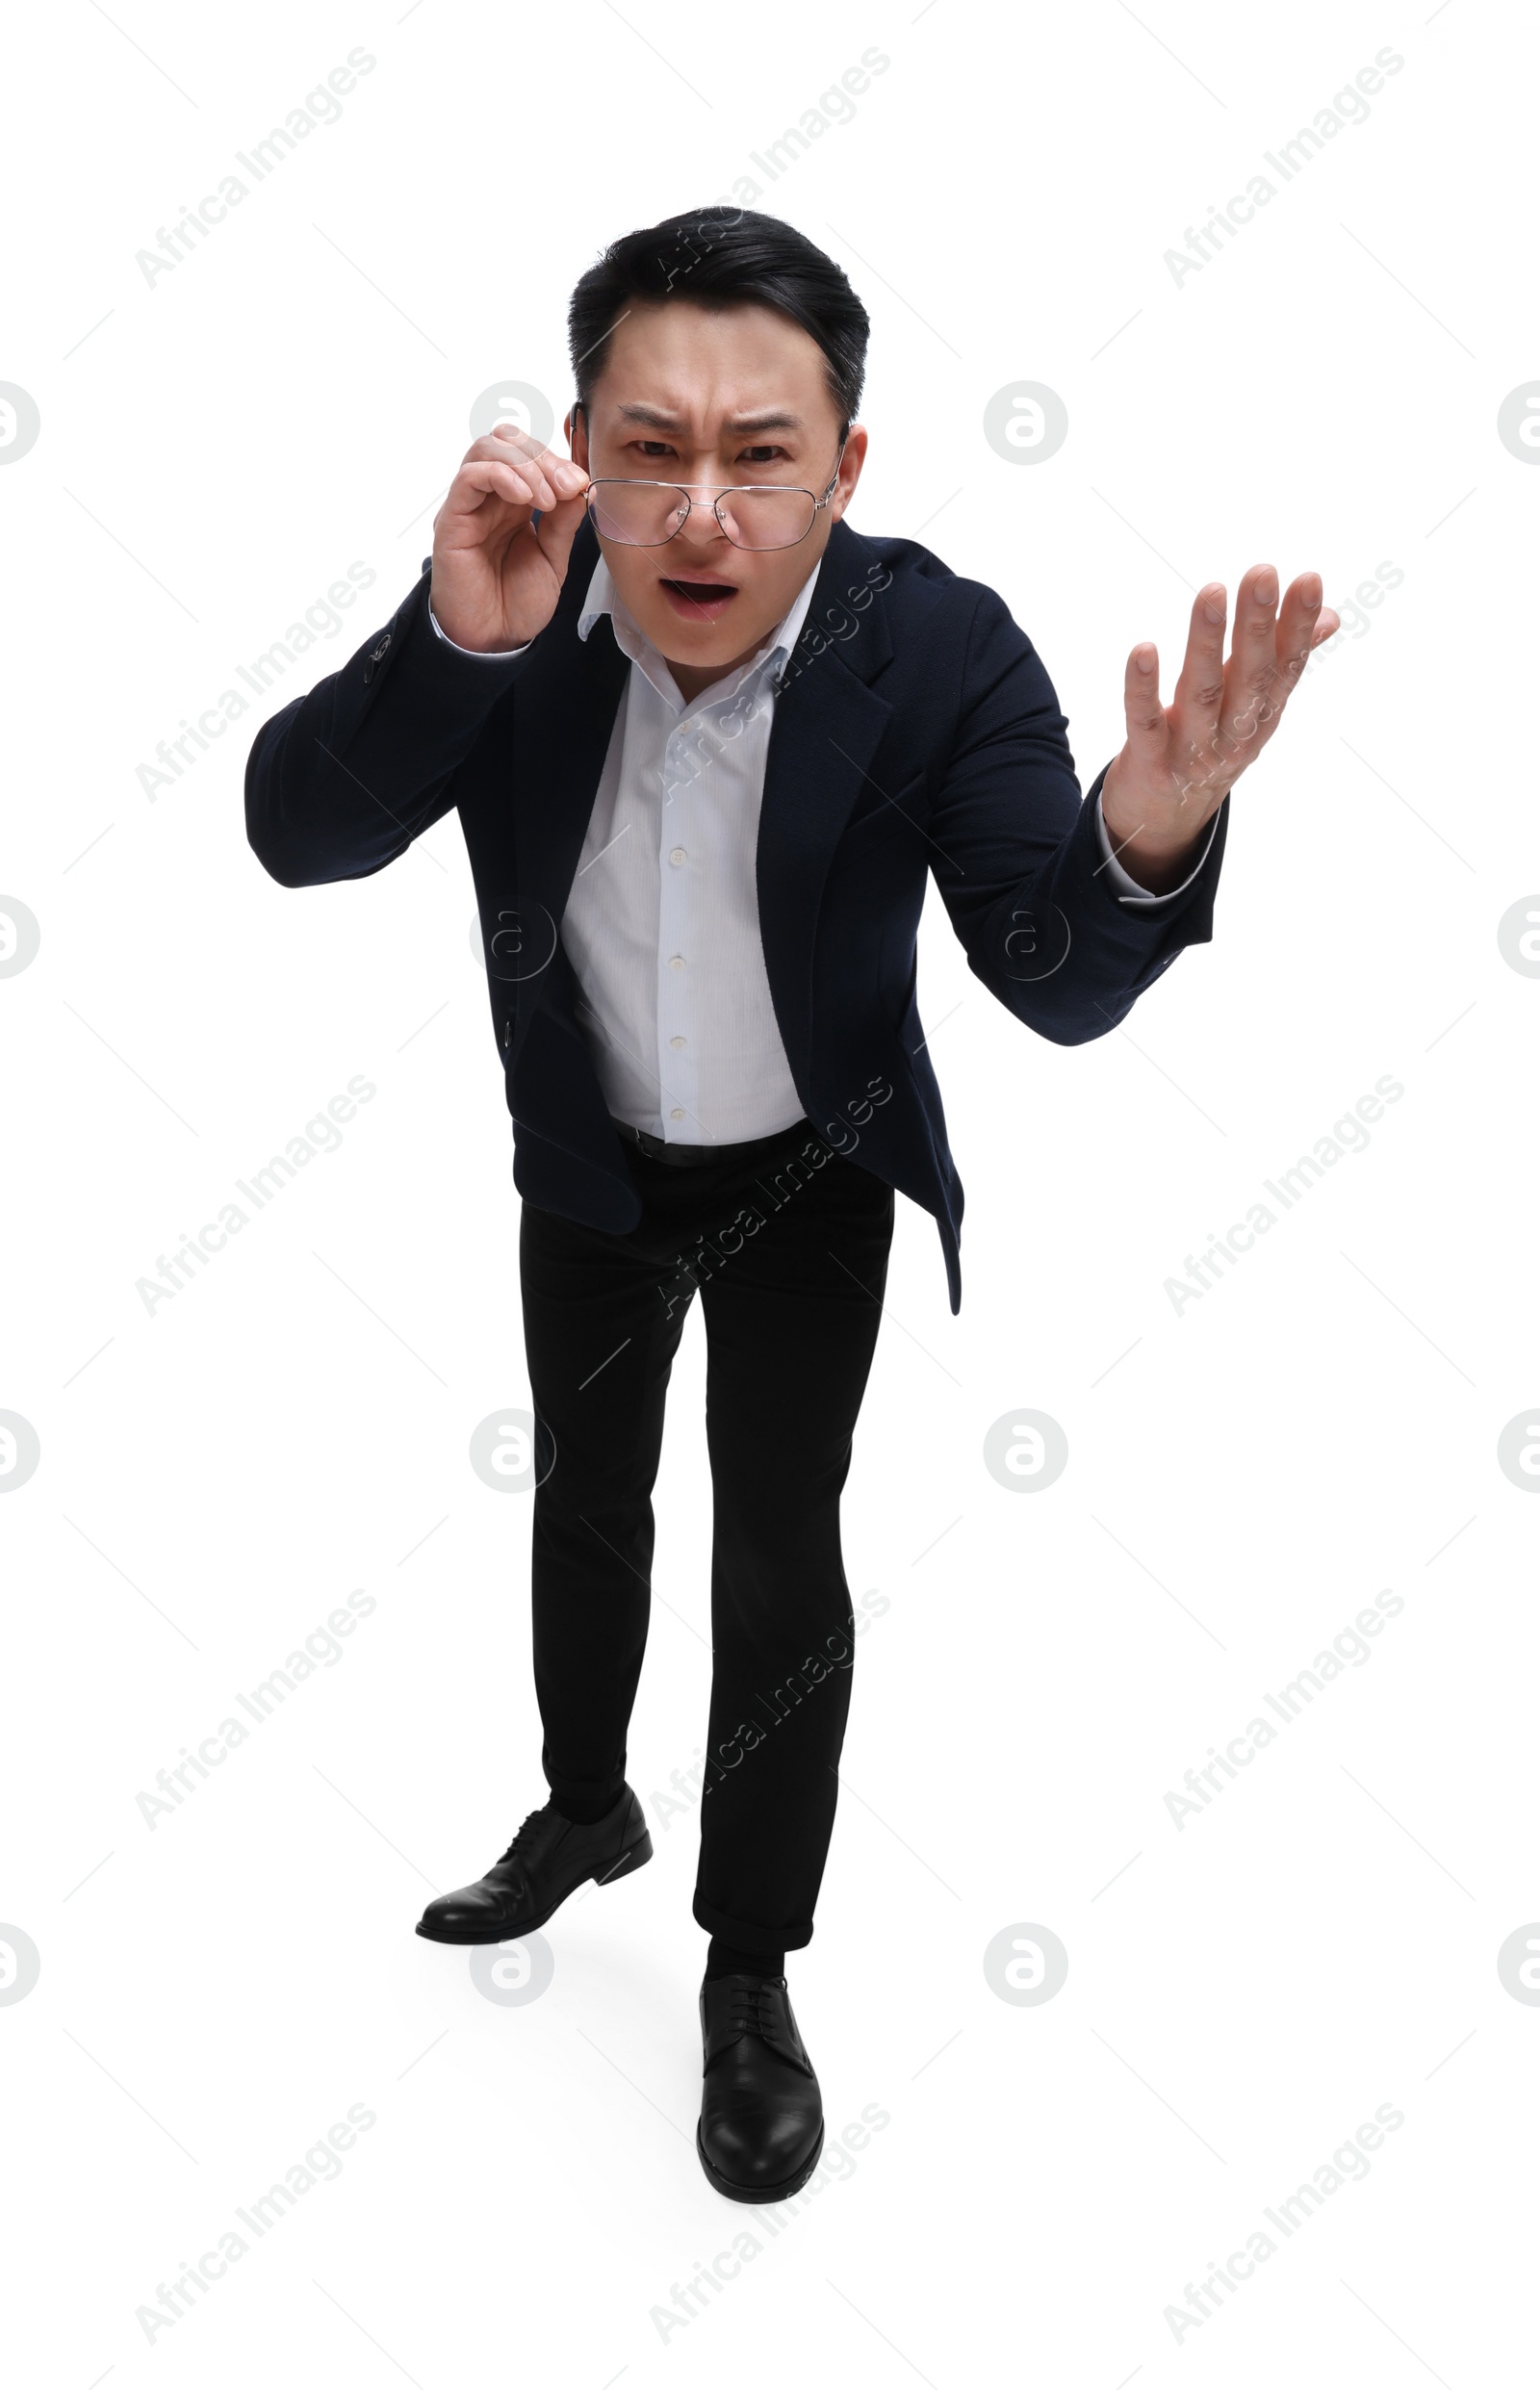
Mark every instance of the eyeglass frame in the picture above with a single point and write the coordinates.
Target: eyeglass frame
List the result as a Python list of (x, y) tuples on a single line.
[(726, 490)]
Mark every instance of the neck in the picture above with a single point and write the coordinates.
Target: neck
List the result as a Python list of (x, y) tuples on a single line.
[(692, 680)]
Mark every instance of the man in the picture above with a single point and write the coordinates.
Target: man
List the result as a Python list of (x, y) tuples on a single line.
[(706, 741)]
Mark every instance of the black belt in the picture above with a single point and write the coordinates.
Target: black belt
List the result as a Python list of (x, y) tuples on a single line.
[(692, 1157)]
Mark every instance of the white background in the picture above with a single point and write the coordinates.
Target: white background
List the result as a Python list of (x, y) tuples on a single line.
[(1243, 1477)]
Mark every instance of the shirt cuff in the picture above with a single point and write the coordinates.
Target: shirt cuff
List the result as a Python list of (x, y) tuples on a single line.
[(1124, 887), (486, 655)]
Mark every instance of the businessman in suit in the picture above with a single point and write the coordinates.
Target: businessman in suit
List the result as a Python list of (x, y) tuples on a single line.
[(706, 741)]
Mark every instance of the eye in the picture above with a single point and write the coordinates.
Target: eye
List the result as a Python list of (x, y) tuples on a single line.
[(766, 454), (652, 448)]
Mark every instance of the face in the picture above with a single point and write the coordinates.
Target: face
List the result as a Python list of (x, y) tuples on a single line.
[(710, 399)]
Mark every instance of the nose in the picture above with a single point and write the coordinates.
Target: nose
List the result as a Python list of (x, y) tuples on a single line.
[(701, 528)]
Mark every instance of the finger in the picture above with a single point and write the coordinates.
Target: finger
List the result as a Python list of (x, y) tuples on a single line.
[(1143, 714), (529, 460), (564, 478), (1252, 692), (477, 481), (567, 480), (1298, 620), (507, 445), (1326, 628), (1200, 683)]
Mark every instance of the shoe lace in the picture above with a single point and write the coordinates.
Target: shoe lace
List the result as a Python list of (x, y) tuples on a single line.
[(746, 2008), (523, 1837)]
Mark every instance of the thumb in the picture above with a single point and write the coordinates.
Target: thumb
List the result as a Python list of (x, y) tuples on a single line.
[(556, 530), (1143, 710)]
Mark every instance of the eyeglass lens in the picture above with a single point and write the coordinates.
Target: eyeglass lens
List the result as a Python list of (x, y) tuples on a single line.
[(645, 514)]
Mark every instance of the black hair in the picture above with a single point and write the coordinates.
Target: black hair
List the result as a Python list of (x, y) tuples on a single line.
[(723, 257)]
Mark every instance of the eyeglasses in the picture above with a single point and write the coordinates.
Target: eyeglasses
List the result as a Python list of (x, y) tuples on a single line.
[(751, 514)]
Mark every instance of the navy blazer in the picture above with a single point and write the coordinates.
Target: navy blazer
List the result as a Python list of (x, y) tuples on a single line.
[(916, 730)]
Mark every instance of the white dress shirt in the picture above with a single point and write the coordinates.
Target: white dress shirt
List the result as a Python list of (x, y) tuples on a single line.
[(662, 923)]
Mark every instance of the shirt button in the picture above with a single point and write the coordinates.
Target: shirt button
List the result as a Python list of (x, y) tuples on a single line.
[(676, 1043), (677, 855), (676, 962), (677, 1114)]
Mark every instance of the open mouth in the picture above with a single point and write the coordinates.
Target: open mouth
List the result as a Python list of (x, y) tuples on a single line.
[(699, 601)]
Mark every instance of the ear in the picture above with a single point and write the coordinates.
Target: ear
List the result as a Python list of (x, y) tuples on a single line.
[(850, 465), (576, 427)]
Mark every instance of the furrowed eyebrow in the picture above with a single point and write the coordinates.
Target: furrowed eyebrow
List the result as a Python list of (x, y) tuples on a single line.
[(769, 419)]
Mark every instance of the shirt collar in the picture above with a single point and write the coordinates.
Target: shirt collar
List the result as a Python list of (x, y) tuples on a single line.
[(604, 598)]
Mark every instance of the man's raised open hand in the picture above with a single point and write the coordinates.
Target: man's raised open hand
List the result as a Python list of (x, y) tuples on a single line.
[(1180, 761)]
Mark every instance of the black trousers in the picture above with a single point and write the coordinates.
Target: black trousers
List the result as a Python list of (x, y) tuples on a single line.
[(786, 1243)]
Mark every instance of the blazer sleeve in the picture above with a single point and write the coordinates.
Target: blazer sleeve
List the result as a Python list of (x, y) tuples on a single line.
[(1017, 857), (342, 780)]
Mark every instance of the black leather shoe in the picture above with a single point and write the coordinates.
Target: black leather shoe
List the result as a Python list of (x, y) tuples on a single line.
[(548, 1857), (761, 2129)]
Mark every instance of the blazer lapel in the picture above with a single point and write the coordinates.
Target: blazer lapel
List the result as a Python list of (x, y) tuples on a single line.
[(828, 726), (559, 731)]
